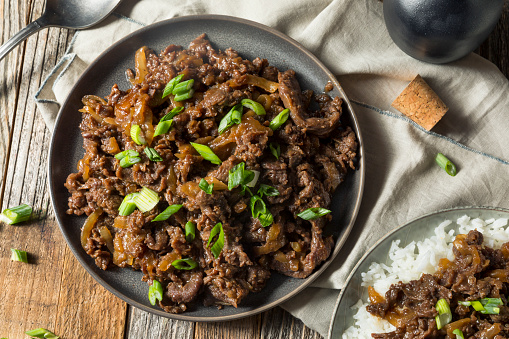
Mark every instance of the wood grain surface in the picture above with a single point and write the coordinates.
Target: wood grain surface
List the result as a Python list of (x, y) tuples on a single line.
[(53, 291)]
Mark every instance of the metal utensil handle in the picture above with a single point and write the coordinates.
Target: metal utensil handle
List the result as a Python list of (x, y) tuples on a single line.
[(32, 28)]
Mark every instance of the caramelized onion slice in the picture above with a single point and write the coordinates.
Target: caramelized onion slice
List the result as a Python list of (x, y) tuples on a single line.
[(89, 225)]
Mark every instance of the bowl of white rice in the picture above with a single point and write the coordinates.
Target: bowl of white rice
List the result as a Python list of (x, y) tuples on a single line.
[(405, 254)]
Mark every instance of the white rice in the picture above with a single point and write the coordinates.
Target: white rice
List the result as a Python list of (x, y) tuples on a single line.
[(409, 262)]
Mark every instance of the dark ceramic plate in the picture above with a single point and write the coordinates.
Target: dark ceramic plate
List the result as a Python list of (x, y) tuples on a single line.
[(250, 40), (415, 230)]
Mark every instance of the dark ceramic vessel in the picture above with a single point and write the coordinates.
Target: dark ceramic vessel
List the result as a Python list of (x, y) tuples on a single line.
[(440, 31)]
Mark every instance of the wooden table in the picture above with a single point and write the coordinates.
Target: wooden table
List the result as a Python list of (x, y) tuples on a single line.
[(54, 291)]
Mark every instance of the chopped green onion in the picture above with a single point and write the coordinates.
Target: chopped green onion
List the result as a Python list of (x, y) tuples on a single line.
[(146, 199), (446, 164), (163, 127), (168, 212), (136, 135), (257, 206), (155, 292), (127, 152), (41, 333), (477, 305), (205, 186), (234, 116), (152, 154), (267, 190), (266, 219), (256, 175), (238, 175), (184, 96), (128, 161), (184, 264), (190, 231), (127, 206), (275, 149), (313, 213), (171, 84), (206, 153), (183, 87), (255, 106), (172, 113), (459, 334), (18, 255), (490, 310), (485, 305), (279, 119), (16, 214), (217, 247), (444, 313)]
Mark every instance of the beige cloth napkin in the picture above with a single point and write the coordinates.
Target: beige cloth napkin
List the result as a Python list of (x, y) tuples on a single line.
[(402, 180)]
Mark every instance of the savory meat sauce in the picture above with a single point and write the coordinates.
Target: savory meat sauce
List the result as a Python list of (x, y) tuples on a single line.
[(476, 274), (223, 238)]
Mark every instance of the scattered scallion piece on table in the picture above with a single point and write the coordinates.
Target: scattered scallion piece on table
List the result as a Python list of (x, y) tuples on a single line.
[(255, 106), (14, 215), (206, 153), (280, 119), (458, 333), (183, 87), (184, 96), (205, 186), (275, 149), (313, 213), (234, 116), (171, 84), (162, 127), (184, 264), (128, 205), (190, 231), (152, 154), (146, 200), (168, 212), (155, 292), (136, 135), (446, 164), (444, 313), (41, 333), (267, 190), (218, 245), (19, 255)]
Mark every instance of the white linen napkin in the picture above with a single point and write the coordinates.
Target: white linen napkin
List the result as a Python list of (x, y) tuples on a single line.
[(349, 37)]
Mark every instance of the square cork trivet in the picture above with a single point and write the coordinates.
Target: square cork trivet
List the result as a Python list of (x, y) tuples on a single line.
[(420, 103)]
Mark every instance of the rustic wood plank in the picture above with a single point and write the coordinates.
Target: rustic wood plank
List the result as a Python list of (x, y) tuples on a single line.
[(279, 324), (142, 324), (247, 328)]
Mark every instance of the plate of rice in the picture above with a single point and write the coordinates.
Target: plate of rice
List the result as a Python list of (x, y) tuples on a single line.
[(404, 255)]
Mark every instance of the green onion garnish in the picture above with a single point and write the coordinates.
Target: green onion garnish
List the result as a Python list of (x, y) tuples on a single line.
[(172, 113), (136, 135), (234, 116), (184, 264), (459, 334), (183, 87), (279, 119), (313, 213), (256, 175), (16, 214), (266, 219), (128, 161), (267, 190), (446, 164), (217, 247), (168, 212), (128, 205), (190, 231), (238, 175), (444, 313), (155, 292), (206, 153), (171, 84), (163, 127), (255, 106), (127, 152), (41, 333), (146, 199), (485, 305), (184, 96), (275, 149), (152, 154), (257, 206), (18, 255), (205, 186)]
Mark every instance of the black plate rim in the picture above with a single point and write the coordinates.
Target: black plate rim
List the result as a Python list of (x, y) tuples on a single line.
[(339, 243)]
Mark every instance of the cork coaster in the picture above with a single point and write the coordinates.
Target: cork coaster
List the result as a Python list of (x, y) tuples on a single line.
[(420, 103)]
